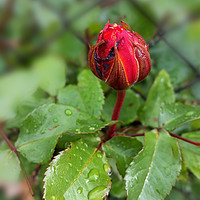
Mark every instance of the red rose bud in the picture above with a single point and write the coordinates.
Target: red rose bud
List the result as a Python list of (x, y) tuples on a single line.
[(120, 57)]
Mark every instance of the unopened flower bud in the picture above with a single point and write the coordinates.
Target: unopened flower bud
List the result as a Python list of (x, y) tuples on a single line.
[(120, 57)]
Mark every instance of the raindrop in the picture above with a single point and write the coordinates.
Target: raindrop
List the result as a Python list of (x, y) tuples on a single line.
[(53, 198), (189, 113), (70, 164), (43, 131), (93, 175), (99, 155), (107, 169), (68, 112), (91, 128), (35, 126), (97, 192), (83, 149), (77, 130), (55, 120), (76, 147), (81, 158), (86, 145), (27, 131), (49, 110), (99, 99), (79, 190)]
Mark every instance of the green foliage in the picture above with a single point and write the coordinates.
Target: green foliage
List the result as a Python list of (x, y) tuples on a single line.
[(86, 96), (129, 108), (51, 73), (42, 128), (154, 171), (176, 114), (161, 92), (123, 150), (9, 167), (79, 172), (191, 153), (56, 113)]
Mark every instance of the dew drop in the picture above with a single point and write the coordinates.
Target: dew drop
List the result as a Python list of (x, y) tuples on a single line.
[(86, 145), (77, 130), (27, 131), (79, 190), (99, 99), (35, 126), (76, 147), (81, 158), (99, 155), (83, 149), (107, 169), (93, 175), (43, 131), (68, 112), (50, 110), (97, 192), (55, 120), (53, 198), (70, 164), (189, 113), (91, 128)]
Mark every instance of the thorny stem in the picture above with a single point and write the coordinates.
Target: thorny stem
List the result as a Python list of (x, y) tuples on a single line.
[(12, 148), (116, 112), (173, 135)]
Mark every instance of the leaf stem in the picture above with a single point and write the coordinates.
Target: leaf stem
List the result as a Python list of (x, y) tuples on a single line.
[(184, 139), (12, 148), (116, 112), (173, 135)]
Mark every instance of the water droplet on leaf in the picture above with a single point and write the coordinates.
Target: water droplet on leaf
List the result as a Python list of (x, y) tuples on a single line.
[(27, 131), (70, 164), (107, 169), (53, 198), (79, 190), (68, 112), (91, 128), (189, 113), (93, 175), (55, 120), (99, 155), (97, 193)]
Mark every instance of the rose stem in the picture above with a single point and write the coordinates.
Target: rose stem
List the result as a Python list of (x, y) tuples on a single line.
[(12, 148), (116, 112), (173, 135)]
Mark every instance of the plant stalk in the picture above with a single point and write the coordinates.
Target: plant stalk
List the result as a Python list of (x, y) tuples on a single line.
[(173, 135), (115, 116), (12, 148)]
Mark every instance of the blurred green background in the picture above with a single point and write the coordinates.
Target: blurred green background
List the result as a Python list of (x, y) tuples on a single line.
[(58, 33)]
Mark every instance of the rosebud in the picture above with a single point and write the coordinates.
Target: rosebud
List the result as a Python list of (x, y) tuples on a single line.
[(120, 57)]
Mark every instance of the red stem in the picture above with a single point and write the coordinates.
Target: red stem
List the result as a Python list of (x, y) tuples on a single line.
[(116, 112), (12, 148), (184, 139), (173, 135)]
